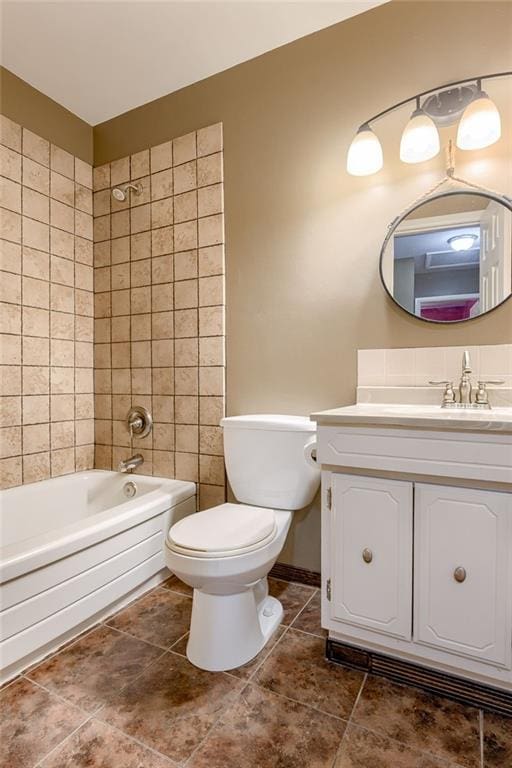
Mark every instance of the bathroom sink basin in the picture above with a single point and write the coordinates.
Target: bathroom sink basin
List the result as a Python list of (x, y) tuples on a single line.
[(420, 416)]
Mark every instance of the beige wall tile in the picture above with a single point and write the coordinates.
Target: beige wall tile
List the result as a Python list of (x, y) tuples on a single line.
[(120, 251), (62, 216), (62, 434), (10, 133), (162, 351), (10, 380), (10, 195), (211, 410), (62, 462), (162, 269), (10, 319), (211, 469), (120, 171), (211, 441), (120, 303), (186, 409), (10, 411), (84, 225), (10, 350), (84, 200), (211, 321), (163, 408), (185, 206), (101, 228), (186, 294), (209, 140), (101, 177), (140, 219), (10, 288), (84, 302), (187, 381), (162, 297), (84, 380), (62, 271), (83, 173), (187, 438), (36, 380), (62, 188), (10, 442), (36, 206), (140, 246), (139, 164), (162, 325), (162, 212), (35, 176), (36, 351), (184, 148), (10, 472), (10, 256), (209, 170), (10, 226), (211, 496), (161, 157), (62, 298), (35, 234), (211, 230), (36, 467), (62, 162), (10, 164), (62, 381), (84, 406), (62, 352), (101, 203), (163, 463), (62, 243), (84, 431), (84, 328), (162, 184), (185, 323), (185, 177), (36, 409), (36, 147), (210, 200), (211, 381), (187, 466), (36, 322), (36, 264), (140, 273), (211, 350), (84, 277), (161, 241), (36, 438), (36, 293), (211, 291), (186, 352), (185, 265), (140, 300), (163, 381)]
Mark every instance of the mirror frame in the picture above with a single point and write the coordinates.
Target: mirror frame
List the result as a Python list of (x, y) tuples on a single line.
[(502, 199)]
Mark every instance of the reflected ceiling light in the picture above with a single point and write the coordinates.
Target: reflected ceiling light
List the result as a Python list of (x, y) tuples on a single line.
[(463, 242), (480, 125), (420, 139), (365, 153)]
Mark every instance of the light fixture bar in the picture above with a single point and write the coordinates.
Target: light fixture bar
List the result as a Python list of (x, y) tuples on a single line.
[(443, 87)]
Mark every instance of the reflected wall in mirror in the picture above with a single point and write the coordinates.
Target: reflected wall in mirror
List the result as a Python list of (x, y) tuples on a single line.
[(449, 258)]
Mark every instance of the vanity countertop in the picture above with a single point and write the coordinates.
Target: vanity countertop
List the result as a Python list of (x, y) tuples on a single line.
[(417, 416)]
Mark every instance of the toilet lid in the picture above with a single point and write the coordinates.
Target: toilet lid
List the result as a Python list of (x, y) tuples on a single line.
[(223, 530)]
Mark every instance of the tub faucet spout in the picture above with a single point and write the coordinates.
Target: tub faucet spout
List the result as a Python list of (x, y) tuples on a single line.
[(128, 465)]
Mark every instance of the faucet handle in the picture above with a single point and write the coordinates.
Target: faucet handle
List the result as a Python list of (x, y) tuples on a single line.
[(466, 362), (449, 392), (482, 395)]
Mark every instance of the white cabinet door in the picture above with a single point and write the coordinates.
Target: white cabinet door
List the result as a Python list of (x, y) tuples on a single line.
[(463, 571), (371, 554)]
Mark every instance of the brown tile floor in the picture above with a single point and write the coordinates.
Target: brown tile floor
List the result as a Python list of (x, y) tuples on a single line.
[(123, 695)]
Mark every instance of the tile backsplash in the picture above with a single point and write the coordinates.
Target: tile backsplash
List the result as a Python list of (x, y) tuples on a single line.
[(46, 309), (159, 309), (411, 369)]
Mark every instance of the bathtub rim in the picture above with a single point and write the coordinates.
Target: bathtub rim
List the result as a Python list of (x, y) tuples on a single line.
[(20, 558)]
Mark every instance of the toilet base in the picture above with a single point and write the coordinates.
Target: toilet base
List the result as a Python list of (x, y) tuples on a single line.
[(227, 631)]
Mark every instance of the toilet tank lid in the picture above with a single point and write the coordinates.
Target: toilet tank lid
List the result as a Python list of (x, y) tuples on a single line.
[(271, 422)]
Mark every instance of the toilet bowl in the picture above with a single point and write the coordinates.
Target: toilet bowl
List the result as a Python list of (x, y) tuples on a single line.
[(226, 552)]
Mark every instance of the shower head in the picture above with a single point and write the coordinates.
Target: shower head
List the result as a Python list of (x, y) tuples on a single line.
[(121, 193)]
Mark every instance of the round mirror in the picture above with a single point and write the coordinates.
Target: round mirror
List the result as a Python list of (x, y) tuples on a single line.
[(448, 259)]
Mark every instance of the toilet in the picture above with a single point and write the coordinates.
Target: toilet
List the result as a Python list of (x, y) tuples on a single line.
[(226, 552)]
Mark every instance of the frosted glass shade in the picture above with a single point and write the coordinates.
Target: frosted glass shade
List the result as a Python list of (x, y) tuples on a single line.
[(420, 139), (480, 124), (365, 153)]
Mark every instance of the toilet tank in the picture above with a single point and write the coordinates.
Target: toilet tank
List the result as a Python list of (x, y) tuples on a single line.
[(266, 463)]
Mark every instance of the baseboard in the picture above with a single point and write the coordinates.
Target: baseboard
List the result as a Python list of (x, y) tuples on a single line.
[(293, 573), (439, 683)]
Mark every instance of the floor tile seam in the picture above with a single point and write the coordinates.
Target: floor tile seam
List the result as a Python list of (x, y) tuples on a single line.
[(133, 602), (62, 699), (296, 701), (174, 591), (303, 632), (146, 642), (134, 739), (448, 763), (266, 657), (236, 698), (139, 674), (356, 701), (304, 607), (61, 743)]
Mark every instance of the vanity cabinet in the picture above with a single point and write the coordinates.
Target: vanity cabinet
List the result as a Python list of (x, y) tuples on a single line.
[(417, 544), (371, 553), (462, 574)]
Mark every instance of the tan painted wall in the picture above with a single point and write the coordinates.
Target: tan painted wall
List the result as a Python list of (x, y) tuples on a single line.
[(29, 107), (302, 237)]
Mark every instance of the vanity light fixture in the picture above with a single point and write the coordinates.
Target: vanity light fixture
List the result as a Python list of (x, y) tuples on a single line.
[(462, 242), (365, 153), (480, 125), (420, 139)]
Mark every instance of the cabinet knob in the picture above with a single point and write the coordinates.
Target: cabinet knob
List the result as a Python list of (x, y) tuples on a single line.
[(367, 555), (460, 574)]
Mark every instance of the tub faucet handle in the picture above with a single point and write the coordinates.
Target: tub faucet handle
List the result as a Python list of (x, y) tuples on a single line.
[(140, 421)]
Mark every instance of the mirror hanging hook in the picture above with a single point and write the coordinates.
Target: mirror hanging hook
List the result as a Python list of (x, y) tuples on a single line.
[(450, 159)]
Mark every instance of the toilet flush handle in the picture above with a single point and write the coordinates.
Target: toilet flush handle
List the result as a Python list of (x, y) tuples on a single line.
[(310, 452)]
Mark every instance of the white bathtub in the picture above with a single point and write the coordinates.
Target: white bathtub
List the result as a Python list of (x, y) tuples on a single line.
[(74, 549)]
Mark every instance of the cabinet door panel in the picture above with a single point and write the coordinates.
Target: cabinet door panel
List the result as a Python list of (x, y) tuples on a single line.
[(462, 528), (371, 553)]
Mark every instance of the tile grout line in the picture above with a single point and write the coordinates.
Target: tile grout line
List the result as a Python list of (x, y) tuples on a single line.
[(40, 763), (356, 702)]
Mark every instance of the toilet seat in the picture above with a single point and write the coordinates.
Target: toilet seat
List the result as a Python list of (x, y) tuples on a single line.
[(223, 531)]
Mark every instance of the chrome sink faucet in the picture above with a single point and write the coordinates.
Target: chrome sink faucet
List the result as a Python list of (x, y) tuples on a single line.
[(465, 389)]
